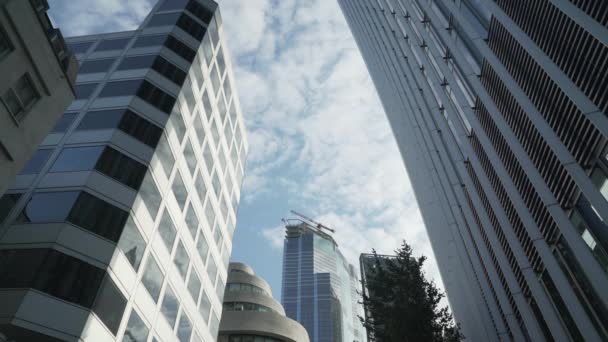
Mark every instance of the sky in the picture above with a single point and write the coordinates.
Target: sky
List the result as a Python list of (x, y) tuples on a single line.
[(319, 140)]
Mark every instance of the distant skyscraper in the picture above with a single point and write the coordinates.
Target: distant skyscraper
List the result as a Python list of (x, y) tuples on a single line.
[(499, 110), (122, 227), (251, 314), (320, 286), (37, 84)]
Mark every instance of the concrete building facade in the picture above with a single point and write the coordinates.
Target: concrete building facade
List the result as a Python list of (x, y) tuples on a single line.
[(121, 228), (499, 110), (251, 314), (320, 288), (38, 74)]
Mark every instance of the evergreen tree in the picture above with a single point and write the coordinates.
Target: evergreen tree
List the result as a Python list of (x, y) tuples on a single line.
[(404, 305)]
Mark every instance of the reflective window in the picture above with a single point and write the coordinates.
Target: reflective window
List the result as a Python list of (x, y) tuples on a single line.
[(110, 305), (179, 190), (77, 159), (180, 49), (7, 203), (150, 195), (241, 287), (181, 259), (207, 104), (36, 162), (212, 270), (121, 88), (184, 328), (209, 214), (214, 325), (227, 89), (215, 131), (101, 119), (202, 246), (136, 330), (170, 306), (196, 30), (167, 231), (64, 123), (132, 244), (233, 115), (217, 187), (201, 189), (79, 47), (599, 178), (170, 71), (215, 79), (164, 154), (221, 106), (140, 128), (145, 41), (190, 157), (213, 32), (218, 236), (194, 285), (113, 44), (136, 62), (222, 159), (197, 71), (152, 278), (164, 19), (48, 207), (178, 125), (97, 65), (208, 156), (199, 129), (221, 63), (205, 307), (192, 221), (98, 216), (84, 91), (189, 95), (199, 11), (245, 306), (156, 97), (121, 168)]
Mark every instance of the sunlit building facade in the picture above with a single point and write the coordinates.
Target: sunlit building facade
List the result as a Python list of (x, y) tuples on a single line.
[(499, 110), (320, 288), (121, 228)]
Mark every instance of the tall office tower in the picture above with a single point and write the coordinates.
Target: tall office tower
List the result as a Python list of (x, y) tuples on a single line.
[(121, 228), (499, 110), (320, 288), (38, 74), (367, 266), (251, 314)]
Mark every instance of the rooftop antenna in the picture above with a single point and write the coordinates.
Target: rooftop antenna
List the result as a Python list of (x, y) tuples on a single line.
[(318, 225)]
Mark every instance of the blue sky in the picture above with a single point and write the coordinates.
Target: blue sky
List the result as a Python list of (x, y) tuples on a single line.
[(319, 140)]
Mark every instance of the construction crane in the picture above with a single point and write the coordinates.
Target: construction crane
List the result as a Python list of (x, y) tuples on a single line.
[(318, 225)]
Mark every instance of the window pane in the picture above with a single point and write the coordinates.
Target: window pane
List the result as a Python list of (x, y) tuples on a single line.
[(84, 91), (144, 41), (193, 28), (180, 49), (137, 62), (121, 88), (64, 123), (26, 91), (208, 156), (178, 125), (184, 329), (210, 214), (221, 63), (212, 270), (168, 70), (132, 244), (165, 19), (214, 325), (121, 168), (217, 187), (179, 191), (190, 157), (199, 129), (213, 32), (48, 207), (205, 307), (194, 285), (220, 286), (207, 105), (173, 5), (113, 44), (79, 47), (181, 259), (167, 231), (156, 97), (7, 203), (199, 11), (150, 195), (202, 246), (110, 305), (98, 65), (170, 306), (35, 163), (98, 216), (12, 102), (201, 189), (192, 221), (215, 79), (189, 94), (164, 154), (101, 119), (153, 278), (140, 128), (77, 159), (136, 330), (217, 235)]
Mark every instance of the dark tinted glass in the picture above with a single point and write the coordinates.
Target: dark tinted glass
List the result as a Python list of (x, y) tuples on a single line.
[(193, 28), (156, 97), (150, 195), (170, 71), (79, 47), (184, 329), (121, 88), (36, 162), (101, 119), (84, 91), (167, 231), (145, 41), (48, 207), (64, 123), (136, 330), (122, 168), (180, 49), (164, 19), (98, 65), (140, 128), (110, 305), (172, 5), (113, 44), (7, 203), (153, 278), (98, 216), (137, 62), (132, 244), (170, 306), (200, 11), (77, 159)]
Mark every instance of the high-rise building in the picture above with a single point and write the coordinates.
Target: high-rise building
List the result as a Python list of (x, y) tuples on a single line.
[(499, 110), (122, 227), (367, 266), (250, 312), (38, 74), (320, 288)]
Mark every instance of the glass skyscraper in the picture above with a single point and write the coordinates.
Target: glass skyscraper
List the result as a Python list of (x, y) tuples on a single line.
[(320, 288), (120, 227), (499, 110)]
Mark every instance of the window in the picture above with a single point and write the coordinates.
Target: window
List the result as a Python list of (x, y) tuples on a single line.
[(202, 246), (221, 63), (215, 79), (190, 26), (150, 195), (220, 286), (207, 105), (136, 330), (194, 285), (156, 97), (164, 19), (98, 216), (184, 328), (233, 115), (172, 5), (190, 157), (245, 306), (180, 49), (213, 32), (145, 41), (126, 120), (169, 71), (79, 47), (198, 71), (212, 270), (179, 190), (7, 203), (121, 168), (205, 306), (214, 325), (64, 123), (132, 244), (77, 159), (36, 163), (218, 236), (189, 95), (241, 287), (48, 207), (167, 231), (208, 156), (121, 88), (201, 189), (217, 187), (164, 154), (21, 97), (84, 91), (113, 44), (110, 305), (199, 129), (97, 65), (181, 259), (16, 272), (136, 62), (199, 11), (221, 106), (170, 306), (227, 89), (215, 132), (178, 125), (209, 214), (153, 278), (101, 119), (191, 221)]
